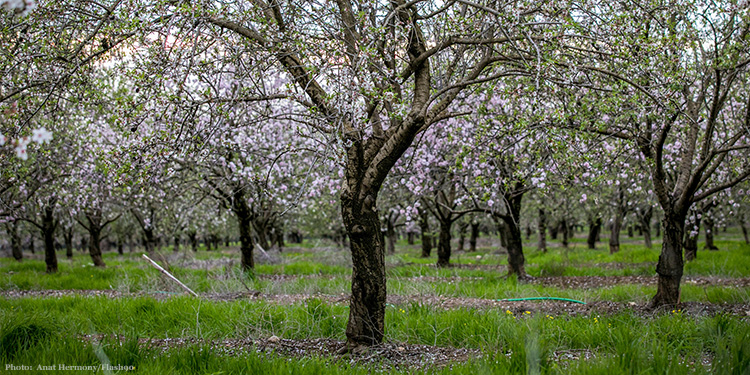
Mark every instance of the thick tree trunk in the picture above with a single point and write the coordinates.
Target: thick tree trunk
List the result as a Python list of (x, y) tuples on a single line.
[(424, 227), (710, 234), (514, 241), (595, 226), (444, 244), (670, 265), (542, 226), (31, 244), (262, 230), (120, 247), (95, 250), (630, 231), (48, 232), (473, 237), (367, 308), (565, 227), (245, 223), (15, 240), (744, 232)]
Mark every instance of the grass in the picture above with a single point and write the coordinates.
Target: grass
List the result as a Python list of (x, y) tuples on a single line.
[(37, 331)]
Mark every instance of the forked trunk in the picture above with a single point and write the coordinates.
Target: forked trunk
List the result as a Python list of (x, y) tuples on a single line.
[(670, 265), (367, 307), (444, 244)]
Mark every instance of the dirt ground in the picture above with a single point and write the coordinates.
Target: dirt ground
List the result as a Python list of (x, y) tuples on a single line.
[(518, 308)]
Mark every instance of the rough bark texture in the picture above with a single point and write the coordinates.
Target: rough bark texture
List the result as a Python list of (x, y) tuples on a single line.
[(444, 244), (473, 237), (542, 226), (595, 226), (367, 244), (670, 265), (424, 227)]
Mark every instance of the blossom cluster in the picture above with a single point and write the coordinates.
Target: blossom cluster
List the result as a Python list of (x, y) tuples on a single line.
[(22, 7), (40, 136)]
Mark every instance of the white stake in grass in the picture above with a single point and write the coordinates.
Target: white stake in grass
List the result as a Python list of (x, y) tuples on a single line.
[(158, 267)]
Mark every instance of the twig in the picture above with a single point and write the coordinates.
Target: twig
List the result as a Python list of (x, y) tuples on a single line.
[(162, 270)]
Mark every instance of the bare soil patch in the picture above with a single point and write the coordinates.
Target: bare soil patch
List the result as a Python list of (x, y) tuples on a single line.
[(399, 356)]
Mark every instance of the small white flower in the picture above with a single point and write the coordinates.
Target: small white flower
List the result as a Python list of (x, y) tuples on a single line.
[(41, 136)]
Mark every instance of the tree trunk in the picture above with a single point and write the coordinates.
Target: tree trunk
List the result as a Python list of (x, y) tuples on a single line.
[(261, 229), (391, 234), (710, 234), (630, 231), (614, 236), (595, 226), (193, 238), (691, 241), (15, 240), (176, 247), (670, 265), (542, 226), (565, 232), (120, 247), (444, 244), (95, 246), (68, 239), (410, 238), (473, 237), (367, 307), (31, 244), (424, 227), (48, 232), (514, 242), (245, 223), (744, 231), (645, 226), (461, 236)]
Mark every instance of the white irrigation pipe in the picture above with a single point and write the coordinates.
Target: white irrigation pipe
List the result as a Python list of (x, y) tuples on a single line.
[(158, 267)]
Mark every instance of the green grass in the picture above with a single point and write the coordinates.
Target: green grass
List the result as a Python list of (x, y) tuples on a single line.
[(46, 330)]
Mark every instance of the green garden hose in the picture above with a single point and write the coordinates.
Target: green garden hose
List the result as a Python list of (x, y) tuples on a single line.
[(542, 298)]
